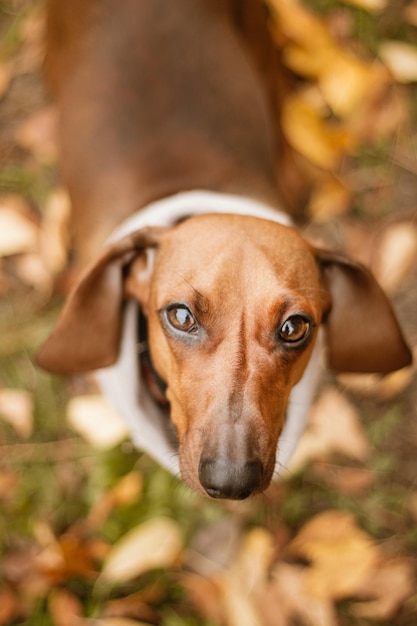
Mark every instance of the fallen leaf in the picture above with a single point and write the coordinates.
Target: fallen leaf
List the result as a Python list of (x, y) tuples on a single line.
[(64, 607), (54, 232), (376, 386), (401, 60), (16, 408), (239, 606), (333, 427), (156, 543), (31, 270), (350, 480), (114, 621), (254, 558), (397, 254), (410, 13), (310, 43), (306, 131), (18, 233), (137, 604), (287, 597), (8, 482), (6, 72), (329, 199), (9, 608), (204, 594), (374, 6), (37, 134), (390, 584), (342, 555), (344, 82), (125, 492), (93, 418)]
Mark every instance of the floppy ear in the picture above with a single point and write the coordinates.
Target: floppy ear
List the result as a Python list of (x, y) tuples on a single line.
[(363, 334), (88, 330)]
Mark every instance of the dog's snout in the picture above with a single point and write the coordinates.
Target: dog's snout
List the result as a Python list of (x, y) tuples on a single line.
[(235, 481)]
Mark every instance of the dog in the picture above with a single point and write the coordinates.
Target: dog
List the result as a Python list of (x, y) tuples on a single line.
[(201, 308)]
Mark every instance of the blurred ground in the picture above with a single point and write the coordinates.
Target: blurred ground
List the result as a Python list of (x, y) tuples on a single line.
[(91, 531)]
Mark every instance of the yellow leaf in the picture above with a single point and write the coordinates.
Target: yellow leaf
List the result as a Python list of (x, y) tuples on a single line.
[(96, 421), (342, 555), (344, 82), (308, 134), (329, 199), (37, 134), (54, 233), (373, 6), (17, 233), (16, 407), (397, 254), (113, 621), (287, 597), (156, 543), (239, 606), (390, 585), (401, 60), (334, 427), (254, 558), (5, 77)]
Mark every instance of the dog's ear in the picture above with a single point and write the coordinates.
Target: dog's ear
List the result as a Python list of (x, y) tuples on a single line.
[(363, 334), (88, 330)]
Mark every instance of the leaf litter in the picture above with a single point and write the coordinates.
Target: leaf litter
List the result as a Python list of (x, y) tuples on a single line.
[(128, 545)]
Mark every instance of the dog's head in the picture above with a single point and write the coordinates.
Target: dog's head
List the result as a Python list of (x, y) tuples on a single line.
[(233, 307)]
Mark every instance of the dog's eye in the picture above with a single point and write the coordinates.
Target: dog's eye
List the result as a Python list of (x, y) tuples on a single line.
[(181, 318), (294, 329)]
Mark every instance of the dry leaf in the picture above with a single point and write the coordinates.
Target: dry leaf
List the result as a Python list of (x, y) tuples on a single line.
[(287, 597), (410, 13), (9, 608), (329, 199), (65, 608), (154, 544), (401, 60), (308, 134), (397, 254), (31, 270), (16, 408), (254, 558), (390, 584), (239, 606), (6, 71), (344, 82), (204, 594), (349, 480), (18, 233), (96, 421), (37, 134), (8, 482), (125, 492), (374, 6), (115, 621), (310, 44), (54, 232), (334, 427), (342, 555), (376, 386)]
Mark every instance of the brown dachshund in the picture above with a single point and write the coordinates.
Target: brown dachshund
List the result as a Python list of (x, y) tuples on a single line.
[(169, 152)]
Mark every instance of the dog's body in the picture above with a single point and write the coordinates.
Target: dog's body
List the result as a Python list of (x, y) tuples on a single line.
[(160, 98)]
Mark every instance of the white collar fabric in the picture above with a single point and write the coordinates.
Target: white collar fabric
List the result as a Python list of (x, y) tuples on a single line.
[(150, 428)]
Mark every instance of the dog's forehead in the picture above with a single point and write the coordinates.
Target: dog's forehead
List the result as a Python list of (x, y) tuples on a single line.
[(234, 248), (204, 237)]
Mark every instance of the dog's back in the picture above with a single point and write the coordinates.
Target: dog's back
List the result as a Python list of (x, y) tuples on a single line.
[(157, 98)]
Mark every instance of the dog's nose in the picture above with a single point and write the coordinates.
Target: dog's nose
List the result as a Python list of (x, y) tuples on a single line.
[(235, 481)]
